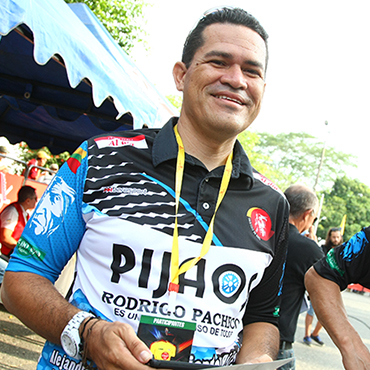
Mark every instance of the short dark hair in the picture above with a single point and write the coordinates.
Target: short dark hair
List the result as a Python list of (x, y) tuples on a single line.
[(300, 199), (236, 16), (26, 192)]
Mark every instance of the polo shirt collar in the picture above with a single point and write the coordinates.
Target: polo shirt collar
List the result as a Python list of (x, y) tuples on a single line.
[(165, 148)]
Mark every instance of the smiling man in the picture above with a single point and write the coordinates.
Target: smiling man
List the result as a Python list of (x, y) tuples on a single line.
[(223, 88), (180, 242)]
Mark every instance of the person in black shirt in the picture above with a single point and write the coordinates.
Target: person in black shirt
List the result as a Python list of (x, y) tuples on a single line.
[(302, 253)]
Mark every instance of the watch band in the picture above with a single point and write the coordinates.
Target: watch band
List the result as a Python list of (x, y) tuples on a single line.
[(70, 337)]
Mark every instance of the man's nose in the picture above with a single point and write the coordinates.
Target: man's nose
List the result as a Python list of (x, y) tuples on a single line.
[(234, 77)]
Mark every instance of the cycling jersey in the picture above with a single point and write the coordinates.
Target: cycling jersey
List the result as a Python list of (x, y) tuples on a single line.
[(113, 203)]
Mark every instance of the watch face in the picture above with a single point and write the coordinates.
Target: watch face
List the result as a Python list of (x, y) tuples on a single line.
[(69, 345)]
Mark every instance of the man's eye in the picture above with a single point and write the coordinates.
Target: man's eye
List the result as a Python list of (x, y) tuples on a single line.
[(253, 72), (217, 62)]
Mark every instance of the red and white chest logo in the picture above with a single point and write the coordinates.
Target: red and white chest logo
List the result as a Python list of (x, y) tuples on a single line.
[(116, 141), (260, 223)]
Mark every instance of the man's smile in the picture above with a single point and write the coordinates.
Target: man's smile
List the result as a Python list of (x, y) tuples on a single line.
[(224, 97)]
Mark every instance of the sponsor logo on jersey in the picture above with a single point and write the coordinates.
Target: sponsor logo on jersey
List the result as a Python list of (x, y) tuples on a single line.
[(260, 223), (124, 190), (138, 142), (332, 262), (266, 181), (75, 159), (230, 282), (276, 311), (26, 249)]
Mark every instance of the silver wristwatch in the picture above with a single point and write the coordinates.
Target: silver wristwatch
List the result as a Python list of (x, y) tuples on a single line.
[(70, 337)]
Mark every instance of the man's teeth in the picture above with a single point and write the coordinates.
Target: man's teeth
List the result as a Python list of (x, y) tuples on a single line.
[(227, 98)]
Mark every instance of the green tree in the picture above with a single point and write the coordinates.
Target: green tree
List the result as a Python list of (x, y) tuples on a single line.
[(175, 100), (120, 17), (295, 157), (347, 197), (260, 161), (25, 153)]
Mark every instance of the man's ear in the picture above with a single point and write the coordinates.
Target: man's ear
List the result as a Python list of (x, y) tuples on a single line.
[(179, 72), (307, 214)]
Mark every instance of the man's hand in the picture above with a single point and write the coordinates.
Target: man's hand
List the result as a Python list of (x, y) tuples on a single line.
[(357, 359), (115, 346)]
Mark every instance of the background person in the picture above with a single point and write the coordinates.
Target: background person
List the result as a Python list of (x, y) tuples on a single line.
[(343, 265), (302, 253), (47, 176), (333, 239), (136, 207), (40, 160), (13, 219), (310, 335)]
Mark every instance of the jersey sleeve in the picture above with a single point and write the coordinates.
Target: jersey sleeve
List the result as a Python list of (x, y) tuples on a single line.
[(349, 262), (55, 229), (264, 300)]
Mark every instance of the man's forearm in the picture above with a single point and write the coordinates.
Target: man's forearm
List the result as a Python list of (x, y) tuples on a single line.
[(327, 301), (328, 305), (260, 343), (35, 301)]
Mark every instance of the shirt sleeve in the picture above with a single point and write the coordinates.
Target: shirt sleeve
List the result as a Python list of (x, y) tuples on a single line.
[(349, 262), (264, 300), (55, 229), (9, 218)]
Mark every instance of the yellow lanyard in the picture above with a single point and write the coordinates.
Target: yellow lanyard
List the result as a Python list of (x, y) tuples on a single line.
[(176, 271)]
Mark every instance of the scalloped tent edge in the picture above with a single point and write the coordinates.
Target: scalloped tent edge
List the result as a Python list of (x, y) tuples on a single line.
[(62, 80)]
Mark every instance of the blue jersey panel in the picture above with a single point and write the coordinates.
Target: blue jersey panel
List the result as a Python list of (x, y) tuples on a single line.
[(53, 233)]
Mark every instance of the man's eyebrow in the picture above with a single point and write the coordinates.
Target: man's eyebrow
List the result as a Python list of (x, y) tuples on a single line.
[(215, 53), (223, 54)]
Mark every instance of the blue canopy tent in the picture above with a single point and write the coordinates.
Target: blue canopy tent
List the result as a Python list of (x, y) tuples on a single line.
[(64, 79)]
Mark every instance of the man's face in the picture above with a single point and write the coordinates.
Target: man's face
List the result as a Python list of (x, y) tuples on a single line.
[(224, 85), (31, 202), (41, 161), (335, 238)]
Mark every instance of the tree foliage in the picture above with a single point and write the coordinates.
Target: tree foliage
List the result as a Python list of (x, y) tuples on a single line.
[(120, 17), (260, 161), (25, 153), (347, 197), (295, 157), (175, 100)]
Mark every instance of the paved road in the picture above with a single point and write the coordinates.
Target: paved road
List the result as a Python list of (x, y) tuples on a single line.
[(20, 347), (328, 357)]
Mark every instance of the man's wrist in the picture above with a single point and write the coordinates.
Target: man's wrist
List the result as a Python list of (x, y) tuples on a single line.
[(70, 337)]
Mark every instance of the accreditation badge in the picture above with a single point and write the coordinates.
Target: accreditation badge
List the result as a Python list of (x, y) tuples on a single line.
[(168, 339)]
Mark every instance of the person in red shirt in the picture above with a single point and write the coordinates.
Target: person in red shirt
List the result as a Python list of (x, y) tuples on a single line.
[(13, 218), (40, 161)]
